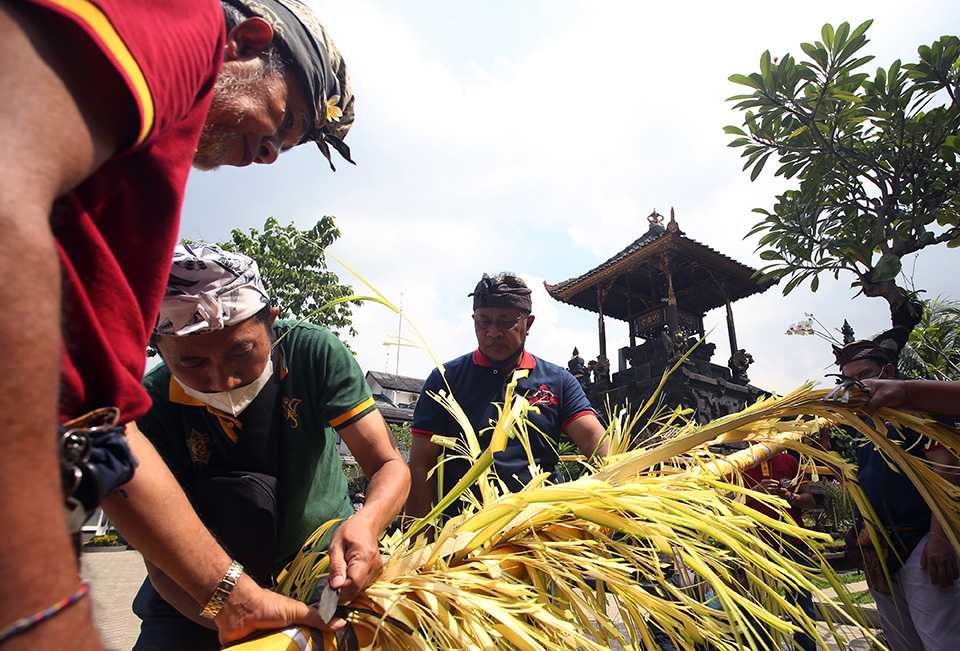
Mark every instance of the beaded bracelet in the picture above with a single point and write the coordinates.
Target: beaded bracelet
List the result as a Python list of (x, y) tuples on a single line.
[(24, 624)]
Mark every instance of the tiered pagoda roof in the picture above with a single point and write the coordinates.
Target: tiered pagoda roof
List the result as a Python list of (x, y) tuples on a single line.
[(633, 280)]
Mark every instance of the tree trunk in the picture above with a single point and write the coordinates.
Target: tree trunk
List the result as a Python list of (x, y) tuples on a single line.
[(888, 290), (906, 311)]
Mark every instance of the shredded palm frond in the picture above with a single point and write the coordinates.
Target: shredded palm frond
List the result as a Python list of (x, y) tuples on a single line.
[(655, 542)]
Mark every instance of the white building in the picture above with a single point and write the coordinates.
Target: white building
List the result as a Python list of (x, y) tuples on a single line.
[(395, 390)]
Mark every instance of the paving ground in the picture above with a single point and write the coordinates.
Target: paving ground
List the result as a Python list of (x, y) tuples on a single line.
[(116, 576)]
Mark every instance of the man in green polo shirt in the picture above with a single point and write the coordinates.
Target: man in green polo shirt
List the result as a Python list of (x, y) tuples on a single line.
[(247, 412)]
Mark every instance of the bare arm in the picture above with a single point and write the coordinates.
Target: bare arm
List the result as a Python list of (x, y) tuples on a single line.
[(153, 513), (372, 446), (588, 435), (921, 395), (354, 550), (175, 596), (51, 138), (802, 499), (939, 557), (423, 457)]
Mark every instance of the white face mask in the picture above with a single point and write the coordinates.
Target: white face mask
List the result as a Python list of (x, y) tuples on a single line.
[(232, 402)]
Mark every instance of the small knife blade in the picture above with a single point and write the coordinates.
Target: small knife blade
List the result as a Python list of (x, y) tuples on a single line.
[(327, 606)]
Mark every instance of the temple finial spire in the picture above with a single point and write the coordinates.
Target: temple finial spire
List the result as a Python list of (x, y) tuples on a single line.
[(847, 332), (673, 225)]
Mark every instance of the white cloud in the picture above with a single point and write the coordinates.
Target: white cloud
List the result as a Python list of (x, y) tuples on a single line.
[(536, 137)]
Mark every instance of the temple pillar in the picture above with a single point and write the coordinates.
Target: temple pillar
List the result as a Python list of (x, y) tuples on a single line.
[(731, 329), (631, 331), (601, 327), (673, 318)]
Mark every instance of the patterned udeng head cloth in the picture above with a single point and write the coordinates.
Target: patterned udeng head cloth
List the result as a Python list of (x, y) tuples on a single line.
[(863, 349), (319, 67), (886, 347), (209, 289), (502, 290)]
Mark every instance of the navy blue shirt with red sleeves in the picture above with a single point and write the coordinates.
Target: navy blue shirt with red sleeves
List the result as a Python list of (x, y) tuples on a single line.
[(476, 385)]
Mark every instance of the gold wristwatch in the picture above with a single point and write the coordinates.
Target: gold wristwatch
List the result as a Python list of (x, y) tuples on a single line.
[(222, 591)]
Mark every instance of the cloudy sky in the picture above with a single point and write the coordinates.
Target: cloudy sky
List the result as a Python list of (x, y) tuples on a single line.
[(536, 137)]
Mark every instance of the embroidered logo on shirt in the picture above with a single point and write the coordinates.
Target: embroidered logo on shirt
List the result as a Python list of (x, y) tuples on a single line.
[(199, 446), (543, 397), (289, 406)]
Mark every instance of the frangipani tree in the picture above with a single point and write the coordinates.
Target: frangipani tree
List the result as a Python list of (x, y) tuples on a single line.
[(875, 157)]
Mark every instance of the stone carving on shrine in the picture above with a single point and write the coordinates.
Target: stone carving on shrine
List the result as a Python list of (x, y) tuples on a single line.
[(578, 368)]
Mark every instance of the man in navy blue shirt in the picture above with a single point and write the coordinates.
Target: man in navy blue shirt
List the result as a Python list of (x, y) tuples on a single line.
[(478, 380), (920, 608)]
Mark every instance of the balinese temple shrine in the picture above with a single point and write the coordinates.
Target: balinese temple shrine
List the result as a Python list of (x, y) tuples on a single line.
[(661, 286)]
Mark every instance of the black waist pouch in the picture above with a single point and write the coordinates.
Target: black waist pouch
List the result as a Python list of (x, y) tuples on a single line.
[(240, 510)]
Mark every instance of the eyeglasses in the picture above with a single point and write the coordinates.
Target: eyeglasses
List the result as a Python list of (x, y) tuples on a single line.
[(502, 325)]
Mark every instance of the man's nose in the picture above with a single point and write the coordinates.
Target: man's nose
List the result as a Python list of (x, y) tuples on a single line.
[(224, 381), (268, 152)]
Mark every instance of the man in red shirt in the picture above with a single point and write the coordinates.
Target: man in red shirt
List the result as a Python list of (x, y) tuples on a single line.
[(780, 475), (103, 106)]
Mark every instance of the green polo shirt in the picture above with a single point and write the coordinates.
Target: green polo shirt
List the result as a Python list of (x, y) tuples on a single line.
[(320, 389)]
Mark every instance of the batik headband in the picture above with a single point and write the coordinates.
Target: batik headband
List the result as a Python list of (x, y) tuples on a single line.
[(209, 289), (502, 290), (319, 66)]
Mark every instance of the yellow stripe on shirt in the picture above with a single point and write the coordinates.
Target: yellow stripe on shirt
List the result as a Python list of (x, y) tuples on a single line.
[(347, 415), (230, 425), (100, 24), (175, 393)]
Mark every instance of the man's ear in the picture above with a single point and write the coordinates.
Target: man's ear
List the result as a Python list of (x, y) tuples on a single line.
[(248, 40), (530, 320), (274, 315)]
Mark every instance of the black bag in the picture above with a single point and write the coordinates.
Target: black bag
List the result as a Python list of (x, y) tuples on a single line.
[(94, 460), (240, 510)]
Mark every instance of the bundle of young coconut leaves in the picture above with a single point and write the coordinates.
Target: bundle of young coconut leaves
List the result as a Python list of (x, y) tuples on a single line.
[(651, 544)]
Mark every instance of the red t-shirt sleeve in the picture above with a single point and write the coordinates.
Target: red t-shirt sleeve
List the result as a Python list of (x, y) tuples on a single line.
[(116, 231), (164, 51)]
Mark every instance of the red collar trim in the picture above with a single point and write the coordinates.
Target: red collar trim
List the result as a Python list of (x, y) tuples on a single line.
[(527, 361)]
